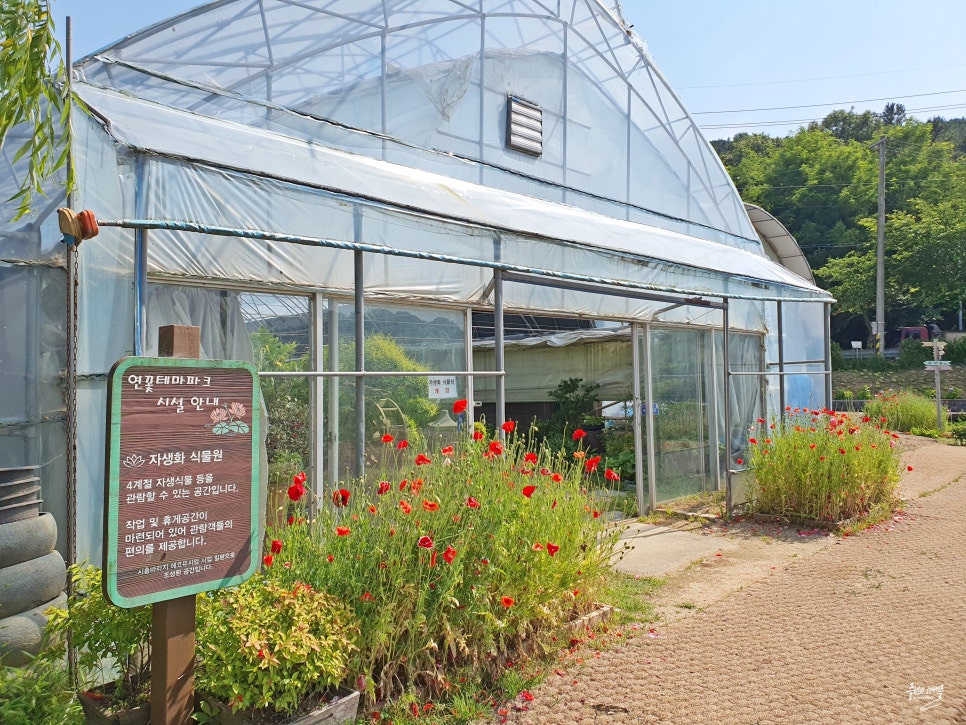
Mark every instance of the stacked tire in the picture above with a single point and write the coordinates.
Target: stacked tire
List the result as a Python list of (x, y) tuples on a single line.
[(32, 572)]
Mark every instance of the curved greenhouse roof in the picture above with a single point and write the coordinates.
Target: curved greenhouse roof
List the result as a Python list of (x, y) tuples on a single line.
[(424, 83)]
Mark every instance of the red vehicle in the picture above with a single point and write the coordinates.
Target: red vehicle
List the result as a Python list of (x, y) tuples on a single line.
[(924, 333)]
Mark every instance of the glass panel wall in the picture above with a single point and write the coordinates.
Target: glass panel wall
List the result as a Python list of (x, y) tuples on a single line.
[(682, 382), (415, 409)]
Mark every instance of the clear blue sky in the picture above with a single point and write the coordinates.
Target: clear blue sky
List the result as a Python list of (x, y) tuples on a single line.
[(724, 55)]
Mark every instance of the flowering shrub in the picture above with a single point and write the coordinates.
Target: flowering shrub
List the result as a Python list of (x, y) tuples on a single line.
[(471, 549), (823, 465), (264, 645), (904, 411)]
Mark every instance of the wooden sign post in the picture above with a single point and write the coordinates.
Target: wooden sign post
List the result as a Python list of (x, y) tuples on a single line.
[(182, 497)]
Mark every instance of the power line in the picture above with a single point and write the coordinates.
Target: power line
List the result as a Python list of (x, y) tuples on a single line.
[(788, 121), (820, 78), (830, 103)]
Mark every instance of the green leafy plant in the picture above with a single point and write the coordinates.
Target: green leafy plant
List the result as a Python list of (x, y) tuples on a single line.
[(103, 634), (38, 694), (32, 96), (266, 646), (958, 432), (826, 466), (904, 411), (912, 354), (454, 557), (286, 399)]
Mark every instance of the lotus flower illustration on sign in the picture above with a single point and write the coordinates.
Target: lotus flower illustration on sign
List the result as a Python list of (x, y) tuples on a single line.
[(226, 420)]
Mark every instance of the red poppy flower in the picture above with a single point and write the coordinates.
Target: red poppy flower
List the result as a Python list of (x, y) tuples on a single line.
[(610, 475), (367, 597), (383, 488), (330, 558), (459, 406), (506, 601), (739, 461), (406, 508), (761, 420), (752, 441), (485, 562), (276, 546), (528, 491), (296, 491), (472, 503), (449, 554), (509, 426), (447, 451), (527, 697), (556, 478), (341, 530), (526, 471), (578, 434), (595, 514), (291, 519), (425, 542), (340, 497), (430, 506), (590, 465), (908, 468), (477, 436), (552, 548), (402, 444), (422, 460), (496, 448), (842, 451), (268, 559), (300, 478), (537, 546), (387, 438), (530, 457), (545, 471)]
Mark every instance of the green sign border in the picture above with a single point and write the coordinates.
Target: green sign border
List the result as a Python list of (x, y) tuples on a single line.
[(112, 487)]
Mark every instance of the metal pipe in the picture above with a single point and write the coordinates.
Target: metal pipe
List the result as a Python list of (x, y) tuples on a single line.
[(781, 356), (383, 374), (498, 349), (827, 374), (447, 258), (649, 411), (468, 331), (637, 420), (360, 366), (726, 363), (333, 375), (140, 263)]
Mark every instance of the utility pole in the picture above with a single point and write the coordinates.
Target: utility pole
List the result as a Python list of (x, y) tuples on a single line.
[(880, 255)]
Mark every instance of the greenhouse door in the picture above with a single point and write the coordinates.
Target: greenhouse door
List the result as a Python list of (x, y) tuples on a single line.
[(682, 408)]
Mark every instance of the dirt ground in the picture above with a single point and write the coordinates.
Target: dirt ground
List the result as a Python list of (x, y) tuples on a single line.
[(795, 626)]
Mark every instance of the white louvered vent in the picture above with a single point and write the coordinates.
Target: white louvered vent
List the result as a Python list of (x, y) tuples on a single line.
[(524, 126)]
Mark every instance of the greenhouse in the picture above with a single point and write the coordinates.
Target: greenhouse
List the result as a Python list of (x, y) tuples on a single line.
[(390, 206)]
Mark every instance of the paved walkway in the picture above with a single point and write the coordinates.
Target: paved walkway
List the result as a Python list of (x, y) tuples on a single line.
[(807, 629)]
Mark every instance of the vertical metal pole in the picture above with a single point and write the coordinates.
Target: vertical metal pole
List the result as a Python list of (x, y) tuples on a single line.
[(649, 411), (72, 325), (140, 262), (360, 461), (638, 427), (939, 390), (318, 393), (726, 363), (880, 254), (781, 357), (333, 418), (827, 309), (498, 334), (470, 416), (716, 398)]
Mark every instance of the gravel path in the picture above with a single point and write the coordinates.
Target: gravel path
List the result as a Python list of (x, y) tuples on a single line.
[(805, 629)]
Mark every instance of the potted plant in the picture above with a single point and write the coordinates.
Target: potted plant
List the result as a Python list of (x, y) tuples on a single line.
[(268, 649), (108, 639)]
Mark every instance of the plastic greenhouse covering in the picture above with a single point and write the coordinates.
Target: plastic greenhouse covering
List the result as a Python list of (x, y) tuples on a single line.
[(374, 134)]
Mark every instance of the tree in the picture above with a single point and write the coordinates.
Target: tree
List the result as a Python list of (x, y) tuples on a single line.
[(893, 114), (31, 94), (850, 126)]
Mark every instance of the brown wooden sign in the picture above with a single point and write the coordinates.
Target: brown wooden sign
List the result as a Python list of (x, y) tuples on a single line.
[(182, 484)]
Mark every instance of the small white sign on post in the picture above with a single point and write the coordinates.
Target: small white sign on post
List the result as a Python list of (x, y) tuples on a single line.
[(441, 388)]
